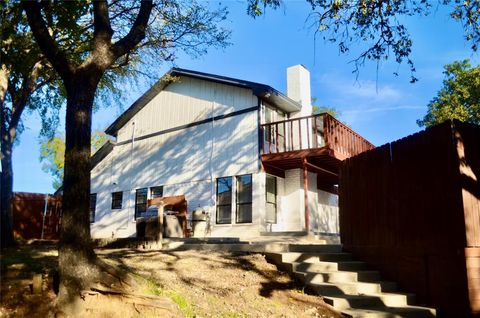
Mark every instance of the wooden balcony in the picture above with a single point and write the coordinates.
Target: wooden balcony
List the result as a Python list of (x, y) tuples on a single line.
[(317, 143)]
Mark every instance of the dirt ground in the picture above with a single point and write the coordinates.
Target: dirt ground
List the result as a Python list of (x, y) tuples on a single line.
[(201, 284)]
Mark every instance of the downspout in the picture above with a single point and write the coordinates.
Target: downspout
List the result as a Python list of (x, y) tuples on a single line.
[(260, 133), (305, 191), (213, 201)]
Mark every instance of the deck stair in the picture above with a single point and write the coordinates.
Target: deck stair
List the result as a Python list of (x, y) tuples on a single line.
[(346, 284)]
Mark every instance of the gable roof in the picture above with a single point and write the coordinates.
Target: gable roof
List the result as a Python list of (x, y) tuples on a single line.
[(101, 153), (262, 91)]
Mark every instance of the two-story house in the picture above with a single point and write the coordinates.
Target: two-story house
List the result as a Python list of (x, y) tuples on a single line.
[(256, 160)]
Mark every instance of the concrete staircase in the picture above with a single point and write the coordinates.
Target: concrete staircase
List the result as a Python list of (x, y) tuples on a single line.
[(348, 285)]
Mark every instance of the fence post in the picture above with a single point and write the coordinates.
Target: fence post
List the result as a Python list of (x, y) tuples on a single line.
[(44, 214)]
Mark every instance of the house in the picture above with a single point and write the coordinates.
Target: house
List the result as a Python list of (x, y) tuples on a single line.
[(256, 160)]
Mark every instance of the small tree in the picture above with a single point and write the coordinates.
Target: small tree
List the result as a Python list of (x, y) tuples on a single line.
[(52, 154), (459, 98), (323, 109), (121, 31)]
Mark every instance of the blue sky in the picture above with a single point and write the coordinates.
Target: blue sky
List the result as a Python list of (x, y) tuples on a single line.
[(380, 106)]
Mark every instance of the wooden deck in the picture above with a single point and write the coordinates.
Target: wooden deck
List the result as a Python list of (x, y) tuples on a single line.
[(317, 143)]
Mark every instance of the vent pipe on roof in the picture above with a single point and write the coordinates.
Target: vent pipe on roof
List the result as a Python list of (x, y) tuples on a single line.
[(298, 88)]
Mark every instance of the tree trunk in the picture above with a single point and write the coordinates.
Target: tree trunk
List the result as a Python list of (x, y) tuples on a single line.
[(77, 260), (6, 178), (6, 187)]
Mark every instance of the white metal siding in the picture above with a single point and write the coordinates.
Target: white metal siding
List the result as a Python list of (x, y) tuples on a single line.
[(185, 101), (185, 161)]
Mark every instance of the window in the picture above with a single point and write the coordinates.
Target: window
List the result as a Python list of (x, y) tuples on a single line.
[(274, 136), (224, 200), (140, 202), (244, 199), (271, 199), (156, 192), (93, 205), (117, 200)]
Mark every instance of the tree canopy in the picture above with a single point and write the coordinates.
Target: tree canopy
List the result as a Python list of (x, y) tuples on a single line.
[(459, 98), (27, 83), (318, 109), (52, 154), (379, 25)]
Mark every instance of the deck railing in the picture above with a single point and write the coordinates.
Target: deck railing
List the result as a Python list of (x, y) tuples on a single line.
[(312, 132)]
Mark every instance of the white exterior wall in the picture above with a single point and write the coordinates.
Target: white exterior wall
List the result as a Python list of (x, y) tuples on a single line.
[(185, 101), (312, 201), (186, 161), (293, 215), (328, 222)]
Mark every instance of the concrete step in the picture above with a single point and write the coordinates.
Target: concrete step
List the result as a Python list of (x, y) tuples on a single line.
[(315, 257), (341, 302), (322, 266), (390, 312), (316, 282), (276, 247), (315, 248), (235, 247), (347, 285), (340, 276)]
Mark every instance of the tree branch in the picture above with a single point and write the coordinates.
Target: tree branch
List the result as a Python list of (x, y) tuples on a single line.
[(136, 33), (45, 41), (103, 31), (30, 84), (4, 72)]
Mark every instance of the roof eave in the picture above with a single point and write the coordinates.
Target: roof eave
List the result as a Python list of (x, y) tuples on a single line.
[(263, 91), (101, 153), (276, 98)]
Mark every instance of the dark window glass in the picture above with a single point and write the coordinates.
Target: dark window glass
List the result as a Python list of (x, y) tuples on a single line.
[(140, 202), (156, 192), (244, 199), (117, 198), (93, 206), (224, 200), (271, 199)]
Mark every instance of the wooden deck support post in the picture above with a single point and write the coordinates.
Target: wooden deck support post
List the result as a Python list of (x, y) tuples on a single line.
[(305, 191)]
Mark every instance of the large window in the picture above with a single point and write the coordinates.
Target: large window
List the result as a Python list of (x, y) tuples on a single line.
[(117, 198), (93, 206), (271, 199), (140, 202), (244, 199), (156, 192), (240, 209), (224, 200)]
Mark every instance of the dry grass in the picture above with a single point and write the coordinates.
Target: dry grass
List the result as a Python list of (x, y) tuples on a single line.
[(201, 284)]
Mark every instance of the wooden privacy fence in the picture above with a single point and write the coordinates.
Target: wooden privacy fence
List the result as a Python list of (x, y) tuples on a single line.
[(412, 209), (36, 216)]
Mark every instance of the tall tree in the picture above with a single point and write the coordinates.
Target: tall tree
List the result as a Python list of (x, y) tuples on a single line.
[(28, 83), (52, 154), (24, 77), (122, 30), (459, 98), (379, 24)]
